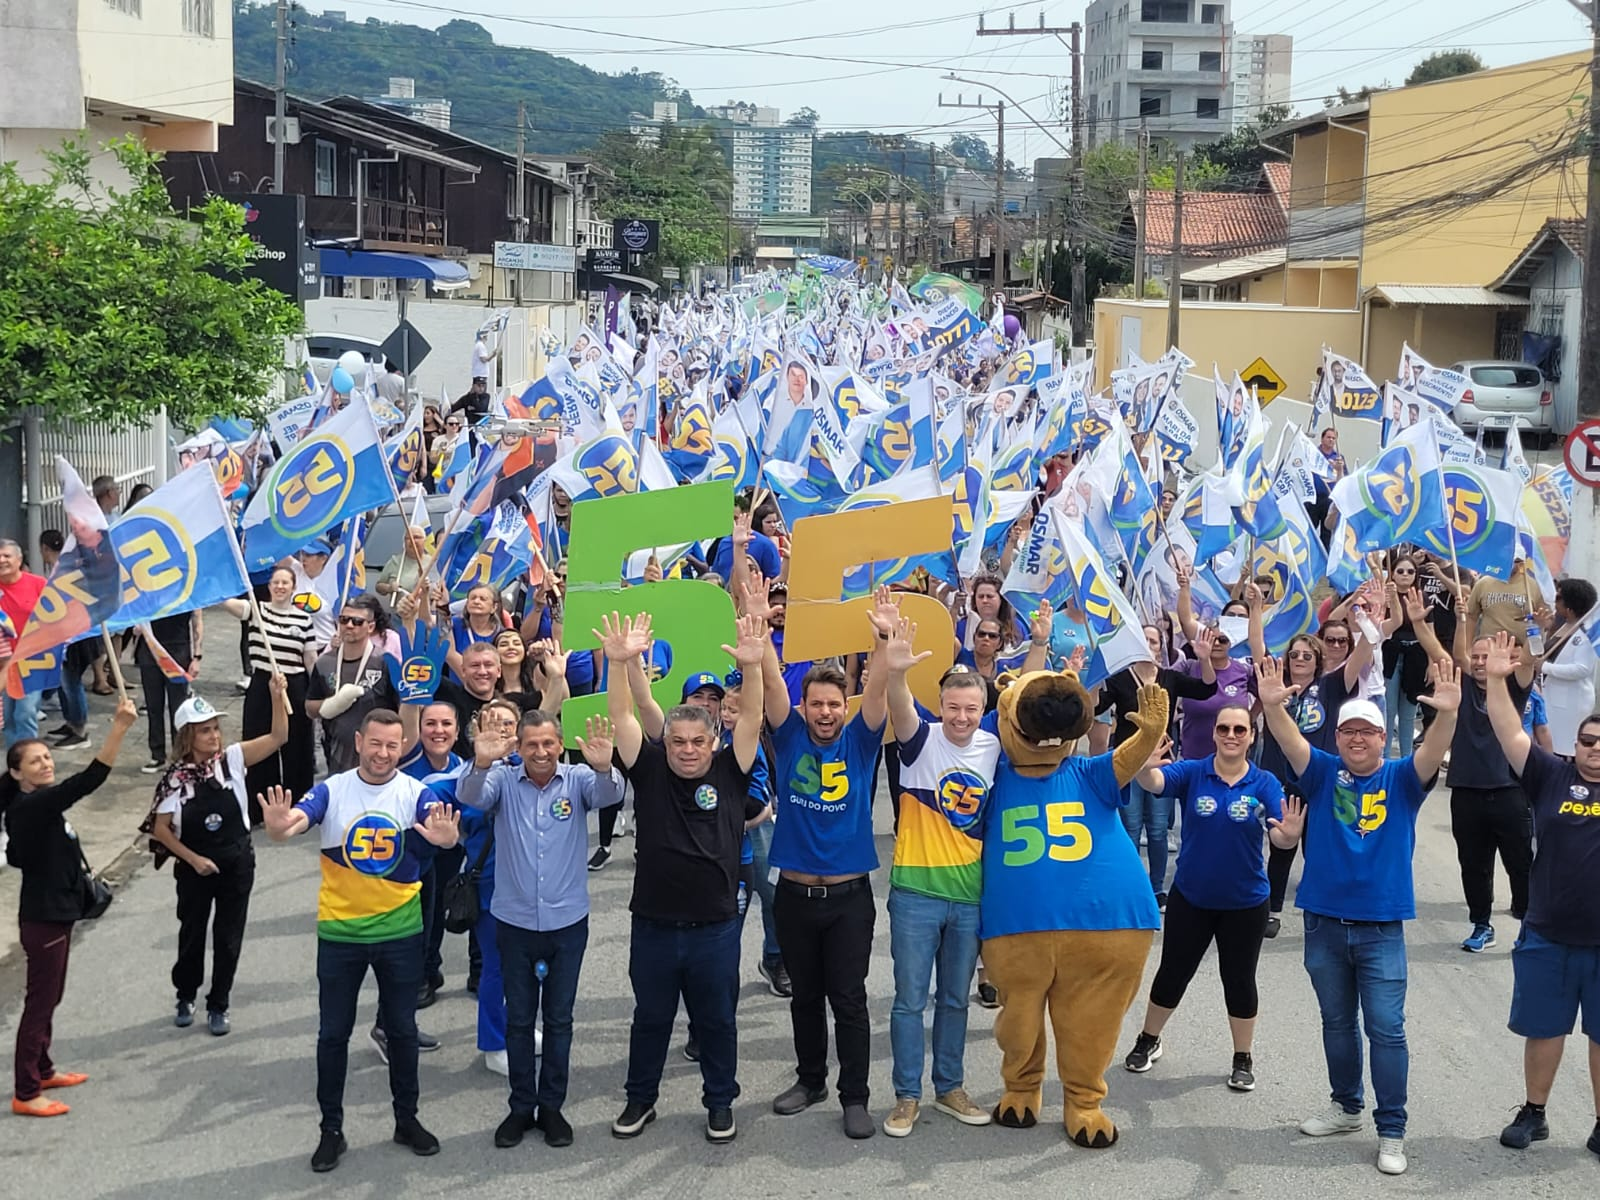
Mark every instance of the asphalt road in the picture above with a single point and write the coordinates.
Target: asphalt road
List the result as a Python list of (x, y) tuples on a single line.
[(175, 1113)]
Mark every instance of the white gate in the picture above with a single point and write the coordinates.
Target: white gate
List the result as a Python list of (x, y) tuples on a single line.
[(130, 456)]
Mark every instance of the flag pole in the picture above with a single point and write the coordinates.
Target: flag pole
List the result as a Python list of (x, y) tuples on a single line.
[(111, 661), (1449, 511), (255, 606)]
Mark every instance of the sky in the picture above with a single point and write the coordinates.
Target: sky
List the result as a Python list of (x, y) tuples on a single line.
[(883, 68)]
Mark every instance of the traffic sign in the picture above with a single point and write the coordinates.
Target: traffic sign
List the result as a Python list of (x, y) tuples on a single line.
[(405, 346), (1267, 382), (1583, 453)]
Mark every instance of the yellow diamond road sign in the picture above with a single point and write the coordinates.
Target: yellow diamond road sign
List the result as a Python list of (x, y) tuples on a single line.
[(1267, 382)]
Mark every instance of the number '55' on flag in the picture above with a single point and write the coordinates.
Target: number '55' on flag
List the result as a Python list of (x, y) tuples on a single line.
[(334, 472)]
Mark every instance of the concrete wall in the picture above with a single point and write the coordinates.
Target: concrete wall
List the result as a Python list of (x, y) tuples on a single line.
[(451, 327), (150, 64)]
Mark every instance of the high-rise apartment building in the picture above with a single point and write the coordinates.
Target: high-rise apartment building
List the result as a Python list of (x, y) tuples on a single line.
[(402, 97), (770, 161), (1260, 74)]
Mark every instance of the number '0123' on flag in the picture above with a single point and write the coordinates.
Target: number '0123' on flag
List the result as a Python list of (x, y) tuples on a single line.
[(331, 474)]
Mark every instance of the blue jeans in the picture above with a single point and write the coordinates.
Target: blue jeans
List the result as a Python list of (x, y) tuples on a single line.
[(761, 847), (1401, 716), (1362, 967), (701, 964), (925, 933), (491, 986), (74, 699), (341, 967), (540, 1082), (21, 717), (1154, 815)]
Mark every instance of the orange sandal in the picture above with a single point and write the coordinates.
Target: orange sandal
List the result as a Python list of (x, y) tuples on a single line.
[(64, 1079), (52, 1108)]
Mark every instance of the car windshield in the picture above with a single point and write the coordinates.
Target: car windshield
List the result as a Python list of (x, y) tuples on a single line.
[(1504, 375)]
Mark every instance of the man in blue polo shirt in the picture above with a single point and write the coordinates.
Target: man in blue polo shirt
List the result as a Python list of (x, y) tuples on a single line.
[(823, 849), (1361, 831)]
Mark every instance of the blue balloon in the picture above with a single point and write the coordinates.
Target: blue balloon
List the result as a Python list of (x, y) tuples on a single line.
[(341, 382)]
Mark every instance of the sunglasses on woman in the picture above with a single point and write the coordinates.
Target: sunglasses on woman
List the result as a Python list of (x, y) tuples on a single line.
[(987, 633), (1233, 730), (1302, 656)]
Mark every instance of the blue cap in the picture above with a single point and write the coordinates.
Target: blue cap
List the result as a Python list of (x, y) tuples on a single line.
[(320, 546), (702, 679)]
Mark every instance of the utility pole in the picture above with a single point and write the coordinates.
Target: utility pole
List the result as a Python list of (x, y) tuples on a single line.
[(1144, 192), (901, 254), (933, 234), (1584, 555), (998, 108), (1175, 286), (1075, 222), (521, 225), (280, 97)]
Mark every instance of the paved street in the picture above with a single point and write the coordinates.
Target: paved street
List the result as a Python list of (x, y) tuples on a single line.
[(175, 1113)]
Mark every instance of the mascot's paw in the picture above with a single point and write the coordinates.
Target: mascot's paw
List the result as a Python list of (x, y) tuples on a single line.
[(1091, 1130), (1018, 1111)]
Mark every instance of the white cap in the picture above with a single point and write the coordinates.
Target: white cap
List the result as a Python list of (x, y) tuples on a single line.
[(194, 711), (1364, 711)]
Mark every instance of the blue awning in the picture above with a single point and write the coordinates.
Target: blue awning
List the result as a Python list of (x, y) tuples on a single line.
[(388, 264)]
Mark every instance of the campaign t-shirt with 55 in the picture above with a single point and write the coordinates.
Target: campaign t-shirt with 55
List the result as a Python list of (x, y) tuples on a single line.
[(824, 824), (943, 788), (1055, 855), (1220, 863), (1563, 901), (1361, 831), (371, 865)]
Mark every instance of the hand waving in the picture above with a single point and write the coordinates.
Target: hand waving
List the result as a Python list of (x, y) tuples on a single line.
[(277, 807), (1294, 818), (596, 743), (441, 826), (1270, 686), (1446, 680), (751, 648), (1502, 661), (899, 653), (1040, 623)]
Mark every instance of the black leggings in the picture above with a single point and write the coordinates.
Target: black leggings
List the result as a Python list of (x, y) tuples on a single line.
[(1187, 934)]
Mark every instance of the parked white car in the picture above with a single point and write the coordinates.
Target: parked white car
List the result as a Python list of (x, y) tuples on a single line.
[(1504, 392)]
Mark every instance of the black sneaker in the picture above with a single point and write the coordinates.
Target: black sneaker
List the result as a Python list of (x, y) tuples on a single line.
[(557, 1129), (988, 995), (60, 731), (777, 977), (599, 858), (330, 1149), (633, 1119), (185, 1014), (217, 1022), (472, 983), (410, 1132), (425, 1043), (719, 1125), (691, 1050), (71, 741), (380, 1043), (1274, 924), (1146, 1049), (1243, 1076), (1527, 1127), (1161, 901), (797, 1099), (509, 1132), (154, 767), (427, 994), (1594, 1139)]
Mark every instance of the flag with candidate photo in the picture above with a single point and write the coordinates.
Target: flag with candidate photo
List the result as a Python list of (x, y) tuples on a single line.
[(1397, 496)]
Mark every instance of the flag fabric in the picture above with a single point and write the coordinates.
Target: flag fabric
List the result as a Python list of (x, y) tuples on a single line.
[(290, 420), (1483, 504), (1397, 496), (83, 590), (1512, 459), (1293, 615), (1348, 389), (491, 552), (934, 286), (735, 456), (604, 466), (1114, 627), (406, 451), (692, 445), (168, 665), (1039, 568), (331, 474)]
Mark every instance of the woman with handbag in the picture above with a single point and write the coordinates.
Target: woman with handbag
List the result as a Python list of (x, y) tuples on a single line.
[(202, 818), (57, 891)]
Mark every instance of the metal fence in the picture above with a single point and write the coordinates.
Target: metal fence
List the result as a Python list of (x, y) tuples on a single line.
[(130, 456)]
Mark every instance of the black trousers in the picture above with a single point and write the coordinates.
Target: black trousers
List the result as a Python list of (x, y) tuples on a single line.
[(446, 866), (1484, 821), (1186, 935), (162, 697), (295, 765), (221, 901), (1279, 864), (827, 947)]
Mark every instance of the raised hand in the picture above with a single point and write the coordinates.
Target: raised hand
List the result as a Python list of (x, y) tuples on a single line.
[(417, 671), (490, 740), (884, 612), (597, 742), (1270, 686), (751, 646), (1204, 640), (1184, 576), (652, 570), (741, 532), (1446, 680), (277, 808), (127, 713), (1040, 623), (1294, 818), (615, 636), (755, 599), (1416, 606), (441, 826), (899, 653), (1078, 659), (640, 636), (1253, 598), (1502, 660), (551, 658)]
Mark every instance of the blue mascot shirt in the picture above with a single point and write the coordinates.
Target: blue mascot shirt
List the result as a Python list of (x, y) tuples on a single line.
[(1055, 855), (1361, 831)]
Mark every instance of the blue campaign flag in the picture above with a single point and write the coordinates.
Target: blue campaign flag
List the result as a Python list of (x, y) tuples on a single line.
[(898, 441), (1114, 628), (1208, 515), (798, 493), (1291, 616), (692, 441), (491, 553), (1347, 566), (1039, 570), (334, 472), (861, 580), (1398, 495), (406, 450), (736, 457), (1483, 504), (177, 551)]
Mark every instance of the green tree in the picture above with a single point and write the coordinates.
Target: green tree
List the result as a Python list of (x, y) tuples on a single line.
[(113, 307), (1239, 154), (681, 181), (971, 150), (804, 118), (1444, 64)]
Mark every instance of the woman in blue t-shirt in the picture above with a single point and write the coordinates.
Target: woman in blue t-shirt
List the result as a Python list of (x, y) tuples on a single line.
[(1219, 891)]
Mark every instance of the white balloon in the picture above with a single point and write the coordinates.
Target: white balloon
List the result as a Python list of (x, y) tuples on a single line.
[(355, 364)]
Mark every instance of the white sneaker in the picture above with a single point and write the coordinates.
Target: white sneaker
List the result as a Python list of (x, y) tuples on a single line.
[(1392, 1156), (1335, 1120), (495, 1060)]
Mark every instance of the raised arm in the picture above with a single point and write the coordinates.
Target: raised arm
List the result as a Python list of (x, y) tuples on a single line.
[(1274, 694), (1253, 601), (621, 638), (1128, 759), (1040, 623), (1186, 621), (258, 748), (1422, 625), (898, 658), (875, 696), (1445, 701), (774, 692), (754, 644), (551, 668), (1503, 714)]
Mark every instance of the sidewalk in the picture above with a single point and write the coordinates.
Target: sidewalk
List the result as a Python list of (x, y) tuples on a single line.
[(107, 822)]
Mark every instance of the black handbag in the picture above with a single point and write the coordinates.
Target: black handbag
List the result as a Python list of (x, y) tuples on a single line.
[(94, 896), (462, 906)]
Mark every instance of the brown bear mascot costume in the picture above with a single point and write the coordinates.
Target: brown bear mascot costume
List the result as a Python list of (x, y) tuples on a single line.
[(1067, 916)]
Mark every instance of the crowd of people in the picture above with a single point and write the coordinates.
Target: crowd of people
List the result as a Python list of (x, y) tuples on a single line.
[(758, 787)]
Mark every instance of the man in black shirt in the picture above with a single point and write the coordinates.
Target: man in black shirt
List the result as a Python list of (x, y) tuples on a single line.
[(691, 802), (1556, 961), (1488, 812)]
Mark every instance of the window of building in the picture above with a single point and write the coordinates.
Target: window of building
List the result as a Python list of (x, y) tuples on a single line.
[(1211, 14), (1151, 60), (1206, 109), (1211, 60), (327, 174), (200, 18), (1152, 104), (133, 8), (1175, 11)]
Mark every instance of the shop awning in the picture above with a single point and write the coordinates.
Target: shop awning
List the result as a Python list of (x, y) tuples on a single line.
[(1445, 297), (389, 264)]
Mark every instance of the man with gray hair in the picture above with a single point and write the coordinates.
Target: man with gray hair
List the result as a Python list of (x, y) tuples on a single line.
[(691, 802)]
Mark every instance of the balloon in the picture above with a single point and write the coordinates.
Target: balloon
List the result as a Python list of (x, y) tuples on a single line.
[(341, 382), (354, 364), (1013, 327)]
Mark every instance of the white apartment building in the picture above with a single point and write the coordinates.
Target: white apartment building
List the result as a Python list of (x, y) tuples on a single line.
[(770, 161), (402, 97), (648, 129), (1162, 63), (1260, 74), (102, 69)]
